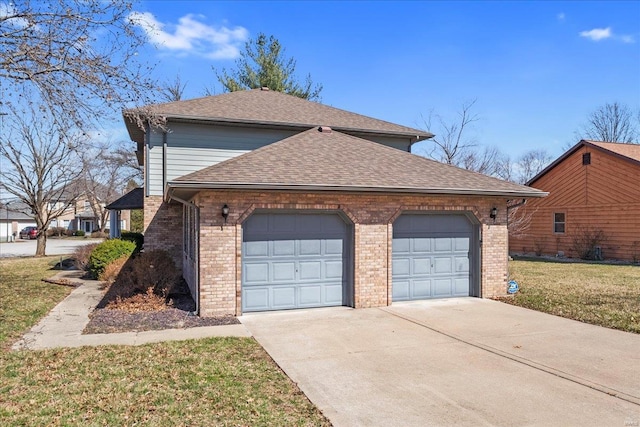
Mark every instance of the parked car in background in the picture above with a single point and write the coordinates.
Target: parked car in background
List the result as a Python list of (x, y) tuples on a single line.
[(29, 233)]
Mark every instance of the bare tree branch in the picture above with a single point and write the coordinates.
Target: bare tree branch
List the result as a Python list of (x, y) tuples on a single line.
[(613, 122)]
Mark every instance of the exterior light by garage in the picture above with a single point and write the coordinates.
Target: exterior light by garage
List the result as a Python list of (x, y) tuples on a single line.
[(494, 214), (225, 212)]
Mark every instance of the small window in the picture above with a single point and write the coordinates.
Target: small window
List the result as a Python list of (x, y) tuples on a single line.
[(586, 159), (558, 222)]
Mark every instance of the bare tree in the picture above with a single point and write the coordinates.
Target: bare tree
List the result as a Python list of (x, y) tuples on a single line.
[(531, 163), (79, 57), (40, 166), (487, 160), (173, 90), (104, 179), (452, 142), (613, 122)]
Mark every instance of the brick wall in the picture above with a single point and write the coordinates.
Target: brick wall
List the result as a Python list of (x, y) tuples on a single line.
[(372, 216), (163, 227)]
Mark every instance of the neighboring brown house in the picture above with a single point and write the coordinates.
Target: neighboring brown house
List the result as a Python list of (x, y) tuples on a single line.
[(592, 187), (268, 202)]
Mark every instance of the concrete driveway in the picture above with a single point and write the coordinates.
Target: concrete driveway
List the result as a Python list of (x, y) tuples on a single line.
[(463, 361), (54, 247)]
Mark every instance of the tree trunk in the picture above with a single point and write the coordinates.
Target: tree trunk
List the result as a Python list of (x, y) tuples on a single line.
[(42, 244)]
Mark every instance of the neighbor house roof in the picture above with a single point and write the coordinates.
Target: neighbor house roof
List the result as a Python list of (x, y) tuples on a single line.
[(330, 160), (264, 107), (134, 199), (624, 151), (13, 215)]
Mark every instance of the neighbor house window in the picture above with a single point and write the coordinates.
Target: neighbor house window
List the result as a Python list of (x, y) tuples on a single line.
[(586, 159), (87, 206), (558, 222)]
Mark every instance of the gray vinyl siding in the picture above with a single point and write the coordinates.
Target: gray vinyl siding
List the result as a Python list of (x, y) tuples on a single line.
[(191, 147), (400, 143)]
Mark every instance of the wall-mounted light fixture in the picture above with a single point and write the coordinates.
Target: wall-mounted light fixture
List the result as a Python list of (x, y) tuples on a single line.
[(225, 212), (494, 214)]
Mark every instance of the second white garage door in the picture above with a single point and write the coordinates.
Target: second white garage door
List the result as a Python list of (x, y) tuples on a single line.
[(292, 260), (433, 256)]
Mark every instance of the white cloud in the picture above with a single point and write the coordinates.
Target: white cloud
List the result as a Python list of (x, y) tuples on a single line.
[(598, 34), (560, 17), (7, 11), (191, 36)]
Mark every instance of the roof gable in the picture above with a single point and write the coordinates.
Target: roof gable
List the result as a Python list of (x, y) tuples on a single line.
[(259, 107), (330, 160), (623, 151)]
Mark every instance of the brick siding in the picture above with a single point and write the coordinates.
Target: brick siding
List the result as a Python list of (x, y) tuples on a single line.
[(372, 216)]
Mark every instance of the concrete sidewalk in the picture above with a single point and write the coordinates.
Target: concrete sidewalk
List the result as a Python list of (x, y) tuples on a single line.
[(63, 326), (461, 361)]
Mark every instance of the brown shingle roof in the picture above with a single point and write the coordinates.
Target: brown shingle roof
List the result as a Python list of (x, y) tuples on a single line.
[(314, 160), (266, 107), (629, 152)]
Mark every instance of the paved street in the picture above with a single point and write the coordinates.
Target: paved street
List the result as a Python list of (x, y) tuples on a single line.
[(54, 247)]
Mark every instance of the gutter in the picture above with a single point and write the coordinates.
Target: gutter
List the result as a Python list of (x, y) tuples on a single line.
[(175, 185)]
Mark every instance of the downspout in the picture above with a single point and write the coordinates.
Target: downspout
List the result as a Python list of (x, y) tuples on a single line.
[(197, 246), (164, 161)]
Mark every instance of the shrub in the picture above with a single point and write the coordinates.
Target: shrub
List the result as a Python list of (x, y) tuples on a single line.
[(137, 238), (57, 231), (585, 240), (154, 269), (79, 233), (99, 235), (81, 255), (107, 252), (141, 302), (113, 269)]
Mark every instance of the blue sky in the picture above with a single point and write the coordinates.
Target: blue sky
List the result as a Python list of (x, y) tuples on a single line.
[(536, 69)]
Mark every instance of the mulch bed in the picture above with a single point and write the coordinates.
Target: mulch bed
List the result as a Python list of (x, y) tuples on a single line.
[(177, 316)]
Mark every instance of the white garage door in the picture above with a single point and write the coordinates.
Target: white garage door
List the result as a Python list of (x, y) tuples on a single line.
[(432, 257), (292, 260)]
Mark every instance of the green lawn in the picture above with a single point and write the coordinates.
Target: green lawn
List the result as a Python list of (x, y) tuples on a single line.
[(217, 381), (600, 294)]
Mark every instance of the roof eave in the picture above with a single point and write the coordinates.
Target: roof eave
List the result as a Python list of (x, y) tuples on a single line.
[(186, 185), (415, 136)]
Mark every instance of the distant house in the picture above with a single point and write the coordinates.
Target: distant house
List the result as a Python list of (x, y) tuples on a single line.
[(592, 187), (268, 202), (84, 211), (12, 220)]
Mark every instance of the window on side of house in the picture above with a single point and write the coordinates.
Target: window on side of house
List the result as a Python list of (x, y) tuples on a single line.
[(559, 222), (586, 159)]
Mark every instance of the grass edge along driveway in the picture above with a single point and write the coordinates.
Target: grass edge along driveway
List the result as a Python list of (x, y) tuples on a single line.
[(215, 381), (599, 294)]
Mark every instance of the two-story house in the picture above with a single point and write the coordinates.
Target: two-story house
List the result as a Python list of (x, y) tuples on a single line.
[(267, 202)]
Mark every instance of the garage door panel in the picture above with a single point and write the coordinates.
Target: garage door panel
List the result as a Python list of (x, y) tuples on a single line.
[(401, 290), (442, 265), (256, 299), (283, 271), (283, 297), (310, 295), (421, 289), (462, 264), (293, 261), (310, 270), (461, 286), (421, 266), (443, 245), (431, 256), (284, 247), (310, 247), (421, 245), (334, 269), (256, 273), (333, 294), (257, 248), (333, 246), (401, 267), (461, 244), (442, 287)]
